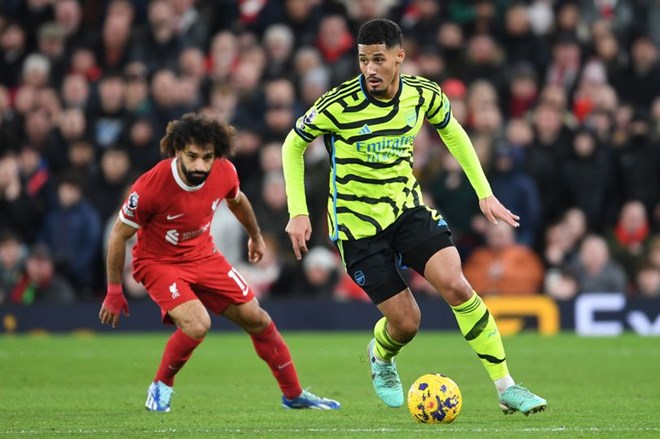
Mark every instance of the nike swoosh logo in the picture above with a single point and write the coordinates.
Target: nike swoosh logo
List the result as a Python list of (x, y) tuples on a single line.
[(171, 217), (282, 366)]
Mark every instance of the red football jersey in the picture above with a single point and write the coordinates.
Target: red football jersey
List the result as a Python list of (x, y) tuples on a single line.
[(172, 218)]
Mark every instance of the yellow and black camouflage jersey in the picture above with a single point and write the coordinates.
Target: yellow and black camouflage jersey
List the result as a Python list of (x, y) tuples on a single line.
[(370, 144)]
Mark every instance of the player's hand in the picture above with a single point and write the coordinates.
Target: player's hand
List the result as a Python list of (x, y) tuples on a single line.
[(299, 230), (256, 248), (114, 304), (494, 210)]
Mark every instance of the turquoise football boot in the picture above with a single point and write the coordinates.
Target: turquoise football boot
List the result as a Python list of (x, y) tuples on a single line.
[(519, 399), (385, 378)]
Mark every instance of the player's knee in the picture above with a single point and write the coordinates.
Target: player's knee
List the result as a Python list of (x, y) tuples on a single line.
[(457, 290), (197, 328), (404, 330), (260, 323)]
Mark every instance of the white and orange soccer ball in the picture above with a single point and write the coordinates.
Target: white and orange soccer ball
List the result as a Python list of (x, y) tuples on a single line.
[(434, 398)]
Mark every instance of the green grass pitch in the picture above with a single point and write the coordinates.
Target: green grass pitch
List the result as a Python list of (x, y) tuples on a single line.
[(94, 386)]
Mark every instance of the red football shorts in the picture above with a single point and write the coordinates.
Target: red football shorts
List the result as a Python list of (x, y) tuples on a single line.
[(212, 280)]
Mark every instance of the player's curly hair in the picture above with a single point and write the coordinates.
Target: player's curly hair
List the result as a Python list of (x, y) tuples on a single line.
[(380, 31), (197, 129)]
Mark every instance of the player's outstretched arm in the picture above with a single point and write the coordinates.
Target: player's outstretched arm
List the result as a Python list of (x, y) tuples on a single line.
[(242, 210), (115, 303)]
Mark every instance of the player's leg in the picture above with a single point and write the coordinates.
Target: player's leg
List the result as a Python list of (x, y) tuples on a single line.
[(179, 305), (272, 348), (443, 271), (424, 241), (399, 325), (371, 262)]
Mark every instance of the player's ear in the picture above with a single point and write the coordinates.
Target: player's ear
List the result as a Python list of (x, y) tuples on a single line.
[(400, 56)]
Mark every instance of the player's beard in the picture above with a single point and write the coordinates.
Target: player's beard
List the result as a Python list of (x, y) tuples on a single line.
[(194, 178)]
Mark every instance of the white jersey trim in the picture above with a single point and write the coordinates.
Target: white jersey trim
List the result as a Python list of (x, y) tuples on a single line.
[(180, 182), (128, 222)]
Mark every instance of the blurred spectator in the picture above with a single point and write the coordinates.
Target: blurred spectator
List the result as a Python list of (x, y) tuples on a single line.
[(191, 26), (142, 146), (629, 238), (110, 116), (648, 282), (516, 190), (523, 91), (595, 271), (653, 252), (13, 45), (165, 106), (519, 41), (544, 156), (312, 85), (84, 62), (35, 71), (336, 45), (273, 206), (587, 177), (113, 50), (9, 124), (564, 68), (106, 191), (563, 239), (41, 283), (136, 99), (12, 261), (451, 41), (68, 16), (278, 43), (560, 284), (485, 60), (637, 163), (23, 198), (72, 231), (223, 56), (421, 20), (82, 159), (71, 127), (503, 267), (303, 18), (457, 93), (52, 44), (641, 82), (75, 91), (161, 46)]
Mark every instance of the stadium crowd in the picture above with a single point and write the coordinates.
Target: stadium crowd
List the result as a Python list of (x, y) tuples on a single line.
[(561, 100)]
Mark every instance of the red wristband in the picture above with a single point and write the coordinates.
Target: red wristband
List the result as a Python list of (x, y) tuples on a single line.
[(115, 290)]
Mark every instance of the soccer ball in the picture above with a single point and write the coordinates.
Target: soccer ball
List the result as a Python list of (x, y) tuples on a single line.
[(434, 398)]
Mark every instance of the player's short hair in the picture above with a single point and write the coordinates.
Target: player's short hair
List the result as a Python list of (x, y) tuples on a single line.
[(380, 31), (200, 130)]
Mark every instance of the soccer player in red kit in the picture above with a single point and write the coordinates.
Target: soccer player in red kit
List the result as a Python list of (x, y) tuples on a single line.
[(171, 208)]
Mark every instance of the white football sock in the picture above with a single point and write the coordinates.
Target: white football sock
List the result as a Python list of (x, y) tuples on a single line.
[(504, 383)]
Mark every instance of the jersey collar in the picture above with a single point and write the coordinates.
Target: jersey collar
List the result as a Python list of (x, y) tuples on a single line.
[(377, 102), (181, 183)]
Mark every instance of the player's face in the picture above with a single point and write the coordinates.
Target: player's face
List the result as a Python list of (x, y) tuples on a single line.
[(195, 163), (380, 67)]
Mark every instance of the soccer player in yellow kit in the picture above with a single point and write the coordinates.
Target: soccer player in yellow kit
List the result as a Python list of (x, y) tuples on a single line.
[(376, 215)]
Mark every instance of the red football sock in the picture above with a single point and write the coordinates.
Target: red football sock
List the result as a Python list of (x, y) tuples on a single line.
[(271, 348), (178, 350)]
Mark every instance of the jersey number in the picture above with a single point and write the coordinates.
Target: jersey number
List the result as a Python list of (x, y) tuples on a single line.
[(239, 280)]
